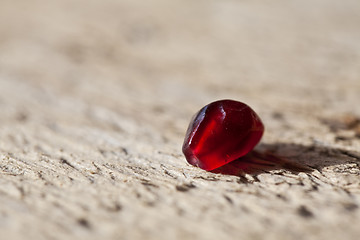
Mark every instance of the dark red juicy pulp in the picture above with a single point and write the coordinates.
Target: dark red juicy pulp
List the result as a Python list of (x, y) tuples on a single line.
[(221, 132)]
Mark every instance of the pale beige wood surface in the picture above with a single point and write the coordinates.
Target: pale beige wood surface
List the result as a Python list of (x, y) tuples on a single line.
[(95, 98)]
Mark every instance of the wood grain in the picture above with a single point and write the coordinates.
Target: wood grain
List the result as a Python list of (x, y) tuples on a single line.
[(95, 98)]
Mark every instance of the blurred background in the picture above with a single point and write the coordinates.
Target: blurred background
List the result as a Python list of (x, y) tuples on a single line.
[(77, 75), (157, 62), (179, 55)]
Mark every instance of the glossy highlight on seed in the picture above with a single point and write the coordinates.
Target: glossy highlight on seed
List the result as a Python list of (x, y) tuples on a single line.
[(221, 132)]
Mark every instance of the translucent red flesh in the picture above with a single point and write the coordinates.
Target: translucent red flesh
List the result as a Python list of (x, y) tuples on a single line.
[(220, 133)]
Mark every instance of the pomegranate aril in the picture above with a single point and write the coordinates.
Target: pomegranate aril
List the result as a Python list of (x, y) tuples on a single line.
[(220, 133)]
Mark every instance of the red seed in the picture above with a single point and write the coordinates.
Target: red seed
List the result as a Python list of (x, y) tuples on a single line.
[(220, 133)]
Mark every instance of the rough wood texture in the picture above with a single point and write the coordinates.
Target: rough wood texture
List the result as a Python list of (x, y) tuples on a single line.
[(95, 98)]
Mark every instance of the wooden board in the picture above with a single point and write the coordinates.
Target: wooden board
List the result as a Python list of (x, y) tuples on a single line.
[(95, 98)]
